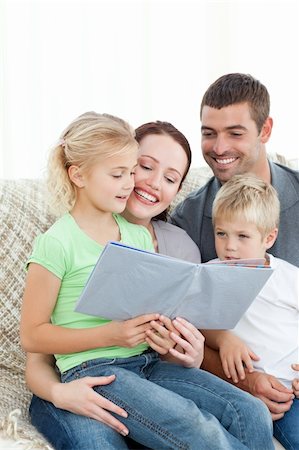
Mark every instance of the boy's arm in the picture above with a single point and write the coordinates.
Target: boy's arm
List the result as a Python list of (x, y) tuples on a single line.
[(233, 351), (277, 397)]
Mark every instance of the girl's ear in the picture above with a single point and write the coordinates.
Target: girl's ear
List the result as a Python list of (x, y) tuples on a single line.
[(266, 130), (271, 238), (75, 176)]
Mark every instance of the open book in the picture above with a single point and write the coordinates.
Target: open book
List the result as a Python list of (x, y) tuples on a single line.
[(127, 282)]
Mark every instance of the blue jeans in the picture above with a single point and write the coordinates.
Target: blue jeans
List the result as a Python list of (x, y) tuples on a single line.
[(168, 406), (286, 430)]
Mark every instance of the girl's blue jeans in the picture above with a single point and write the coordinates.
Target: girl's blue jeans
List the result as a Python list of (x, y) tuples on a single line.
[(168, 406)]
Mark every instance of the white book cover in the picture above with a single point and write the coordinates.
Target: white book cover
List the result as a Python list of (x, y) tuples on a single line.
[(127, 282)]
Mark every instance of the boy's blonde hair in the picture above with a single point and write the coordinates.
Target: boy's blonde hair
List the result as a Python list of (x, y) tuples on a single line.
[(249, 198), (88, 139)]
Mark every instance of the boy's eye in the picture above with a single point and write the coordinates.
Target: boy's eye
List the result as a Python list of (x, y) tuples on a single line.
[(243, 236), (220, 233)]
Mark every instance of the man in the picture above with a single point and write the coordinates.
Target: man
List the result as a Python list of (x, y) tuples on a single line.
[(235, 129)]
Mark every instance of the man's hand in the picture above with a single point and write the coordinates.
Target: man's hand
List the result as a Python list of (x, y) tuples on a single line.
[(276, 397), (295, 384)]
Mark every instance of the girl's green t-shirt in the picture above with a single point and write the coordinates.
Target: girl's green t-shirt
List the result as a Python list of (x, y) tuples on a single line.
[(67, 252)]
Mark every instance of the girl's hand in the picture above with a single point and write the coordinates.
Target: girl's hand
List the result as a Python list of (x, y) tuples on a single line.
[(233, 353), (78, 397), (295, 384), (132, 332), (158, 337), (190, 344)]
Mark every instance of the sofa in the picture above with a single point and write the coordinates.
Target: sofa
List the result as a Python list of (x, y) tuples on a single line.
[(23, 215)]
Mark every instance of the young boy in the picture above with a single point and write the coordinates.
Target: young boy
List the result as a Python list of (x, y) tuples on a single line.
[(245, 218)]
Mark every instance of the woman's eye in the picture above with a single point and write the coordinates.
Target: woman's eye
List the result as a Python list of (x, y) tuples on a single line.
[(145, 167), (170, 180), (116, 176)]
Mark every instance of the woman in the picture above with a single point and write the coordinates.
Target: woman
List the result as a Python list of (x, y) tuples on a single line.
[(164, 160)]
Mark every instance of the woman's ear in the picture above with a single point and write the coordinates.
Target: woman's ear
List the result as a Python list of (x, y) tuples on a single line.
[(266, 130), (271, 238), (75, 176)]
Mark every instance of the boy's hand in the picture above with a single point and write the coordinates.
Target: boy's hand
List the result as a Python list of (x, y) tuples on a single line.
[(234, 354), (295, 384)]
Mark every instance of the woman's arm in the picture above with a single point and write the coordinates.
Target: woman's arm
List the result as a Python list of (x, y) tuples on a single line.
[(76, 396), (38, 335)]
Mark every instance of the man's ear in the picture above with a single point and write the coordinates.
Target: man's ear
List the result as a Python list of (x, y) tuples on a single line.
[(271, 238), (75, 176), (266, 130)]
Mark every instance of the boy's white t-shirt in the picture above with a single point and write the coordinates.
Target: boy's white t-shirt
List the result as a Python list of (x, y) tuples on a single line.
[(270, 326)]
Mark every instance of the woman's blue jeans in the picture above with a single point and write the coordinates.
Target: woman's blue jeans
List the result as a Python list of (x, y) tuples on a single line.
[(168, 406)]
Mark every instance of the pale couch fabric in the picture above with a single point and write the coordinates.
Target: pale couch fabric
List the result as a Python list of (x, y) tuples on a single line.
[(23, 215)]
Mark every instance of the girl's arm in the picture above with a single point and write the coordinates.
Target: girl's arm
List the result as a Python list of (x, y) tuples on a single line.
[(76, 396), (39, 335), (233, 352)]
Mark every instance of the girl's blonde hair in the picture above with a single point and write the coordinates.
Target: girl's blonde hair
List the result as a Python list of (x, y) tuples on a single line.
[(248, 198), (84, 142)]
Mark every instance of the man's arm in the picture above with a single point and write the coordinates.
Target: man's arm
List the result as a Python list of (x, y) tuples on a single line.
[(277, 397)]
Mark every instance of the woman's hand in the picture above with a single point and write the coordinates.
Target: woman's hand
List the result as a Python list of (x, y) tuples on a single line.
[(295, 384), (233, 353), (79, 397), (177, 340), (158, 337), (189, 350)]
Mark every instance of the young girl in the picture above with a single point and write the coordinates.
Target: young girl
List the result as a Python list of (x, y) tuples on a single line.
[(92, 169)]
